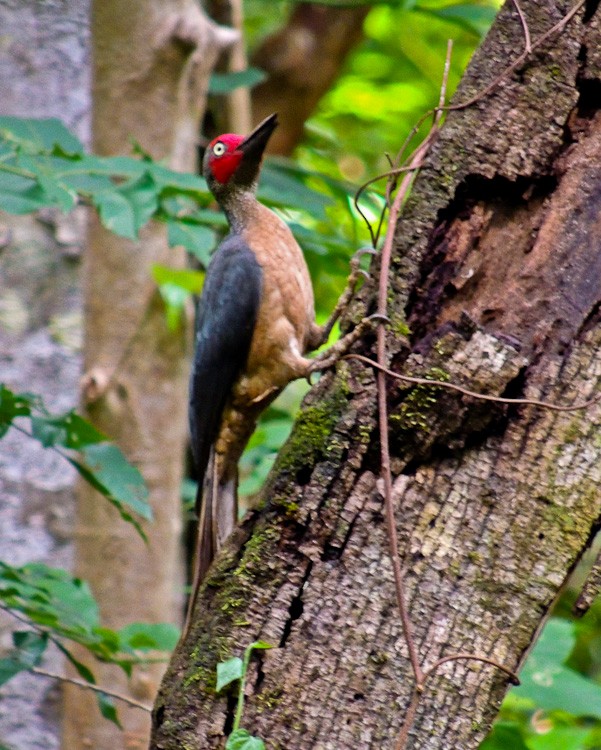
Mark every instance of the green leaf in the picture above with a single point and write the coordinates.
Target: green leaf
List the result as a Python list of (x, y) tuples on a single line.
[(259, 645), (12, 405), (179, 183), (9, 667), (105, 466), (40, 135), (48, 431), (229, 671), (21, 195), (224, 83), (209, 218), (197, 238), (102, 464), (142, 195), (82, 670), (69, 430), (49, 596), (57, 193), (84, 182), (126, 209), (561, 738), (116, 213), (504, 736), (352, 3), (176, 285), (54, 600), (139, 636), (285, 186), (29, 647), (190, 281), (107, 708), (240, 739), (551, 685), (473, 18)]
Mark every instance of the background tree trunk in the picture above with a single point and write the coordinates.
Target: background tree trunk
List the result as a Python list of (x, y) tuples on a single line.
[(497, 269), (302, 61), (236, 115), (151, 63), (44, 72)]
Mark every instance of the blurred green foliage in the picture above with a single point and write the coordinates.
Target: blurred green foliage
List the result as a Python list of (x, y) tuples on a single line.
[(89, 451), (56, 608), (558, 704)]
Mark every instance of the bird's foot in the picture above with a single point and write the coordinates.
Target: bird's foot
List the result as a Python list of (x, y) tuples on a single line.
[(328, 358), (377, 318), (355, 261)]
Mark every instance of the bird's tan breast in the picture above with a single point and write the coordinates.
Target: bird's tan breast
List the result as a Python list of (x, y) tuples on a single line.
[(287, 308)]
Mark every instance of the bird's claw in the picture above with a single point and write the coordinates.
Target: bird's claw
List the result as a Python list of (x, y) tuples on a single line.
[(364, 251), (356, 259), (378, 318)]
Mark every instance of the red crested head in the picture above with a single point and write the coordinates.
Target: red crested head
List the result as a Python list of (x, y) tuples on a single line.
[(224, 156), (234, 160)]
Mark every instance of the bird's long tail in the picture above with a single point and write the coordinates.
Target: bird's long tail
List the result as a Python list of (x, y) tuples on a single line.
[(217, 500)]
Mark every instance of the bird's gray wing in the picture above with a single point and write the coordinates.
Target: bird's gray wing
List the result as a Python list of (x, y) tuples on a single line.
[(227, 315)]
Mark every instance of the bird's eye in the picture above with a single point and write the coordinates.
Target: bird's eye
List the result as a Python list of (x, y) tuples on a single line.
[(219, 149)]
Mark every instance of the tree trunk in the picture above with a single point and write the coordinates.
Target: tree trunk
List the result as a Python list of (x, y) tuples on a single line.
[(151, 63), (236, 115), (302, 61), (43, 73), (497, 271)]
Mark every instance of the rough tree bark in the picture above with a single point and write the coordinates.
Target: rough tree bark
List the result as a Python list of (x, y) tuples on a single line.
[(151, 62), (497, 271)]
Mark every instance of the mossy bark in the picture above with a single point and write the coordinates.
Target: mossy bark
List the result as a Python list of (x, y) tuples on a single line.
[(497, 270)]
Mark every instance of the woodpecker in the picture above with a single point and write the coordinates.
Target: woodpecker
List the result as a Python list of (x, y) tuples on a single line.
[(255, 325)]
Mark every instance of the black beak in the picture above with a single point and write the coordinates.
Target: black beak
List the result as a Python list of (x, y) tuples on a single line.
[(254, 144)]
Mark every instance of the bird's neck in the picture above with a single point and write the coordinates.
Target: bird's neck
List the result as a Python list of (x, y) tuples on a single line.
[(240, 205)]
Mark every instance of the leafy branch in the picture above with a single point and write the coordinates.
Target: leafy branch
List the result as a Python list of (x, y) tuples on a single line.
[(57, 608), (42, 164), (232, 670), (98, 461)]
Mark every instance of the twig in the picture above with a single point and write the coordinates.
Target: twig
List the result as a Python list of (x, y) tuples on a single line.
[(409, 719), (414, 380), (91, 686), (527, 42), (415, 164), (418, 690), (415, 161), (445, 80), (471, 657), (64, 678), (383, 415)]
